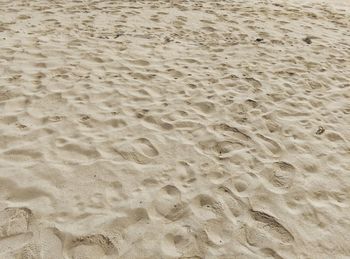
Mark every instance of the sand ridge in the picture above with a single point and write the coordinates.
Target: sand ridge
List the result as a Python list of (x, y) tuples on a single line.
[(174, 129)]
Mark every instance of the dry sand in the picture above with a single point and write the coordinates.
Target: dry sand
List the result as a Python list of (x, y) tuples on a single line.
[(174, 129)]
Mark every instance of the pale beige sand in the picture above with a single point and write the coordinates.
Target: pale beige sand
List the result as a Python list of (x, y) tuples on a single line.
[(165, 129)]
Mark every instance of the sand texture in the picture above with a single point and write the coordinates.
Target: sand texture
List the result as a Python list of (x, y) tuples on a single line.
[(174, 129)]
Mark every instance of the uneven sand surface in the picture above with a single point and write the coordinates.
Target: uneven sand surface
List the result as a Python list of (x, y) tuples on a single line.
[(174, 129)]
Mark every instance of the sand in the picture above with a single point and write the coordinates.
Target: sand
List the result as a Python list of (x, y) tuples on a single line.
[(174, 129)]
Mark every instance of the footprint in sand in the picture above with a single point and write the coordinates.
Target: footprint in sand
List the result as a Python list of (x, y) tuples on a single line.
[(140, 151), (234, 132), (271, 225), (14, 230), (168, 203), (280, 175), (91, 247), (238, 206), (270, 145), (220, 149), (46, 243), (206, 207)]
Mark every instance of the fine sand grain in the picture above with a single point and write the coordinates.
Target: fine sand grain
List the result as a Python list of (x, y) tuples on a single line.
[(174, 129)]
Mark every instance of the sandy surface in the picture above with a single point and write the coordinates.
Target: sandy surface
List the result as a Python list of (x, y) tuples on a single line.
[(174, 129)]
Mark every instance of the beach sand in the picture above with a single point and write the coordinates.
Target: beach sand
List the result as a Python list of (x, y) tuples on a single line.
[(174, 129)]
